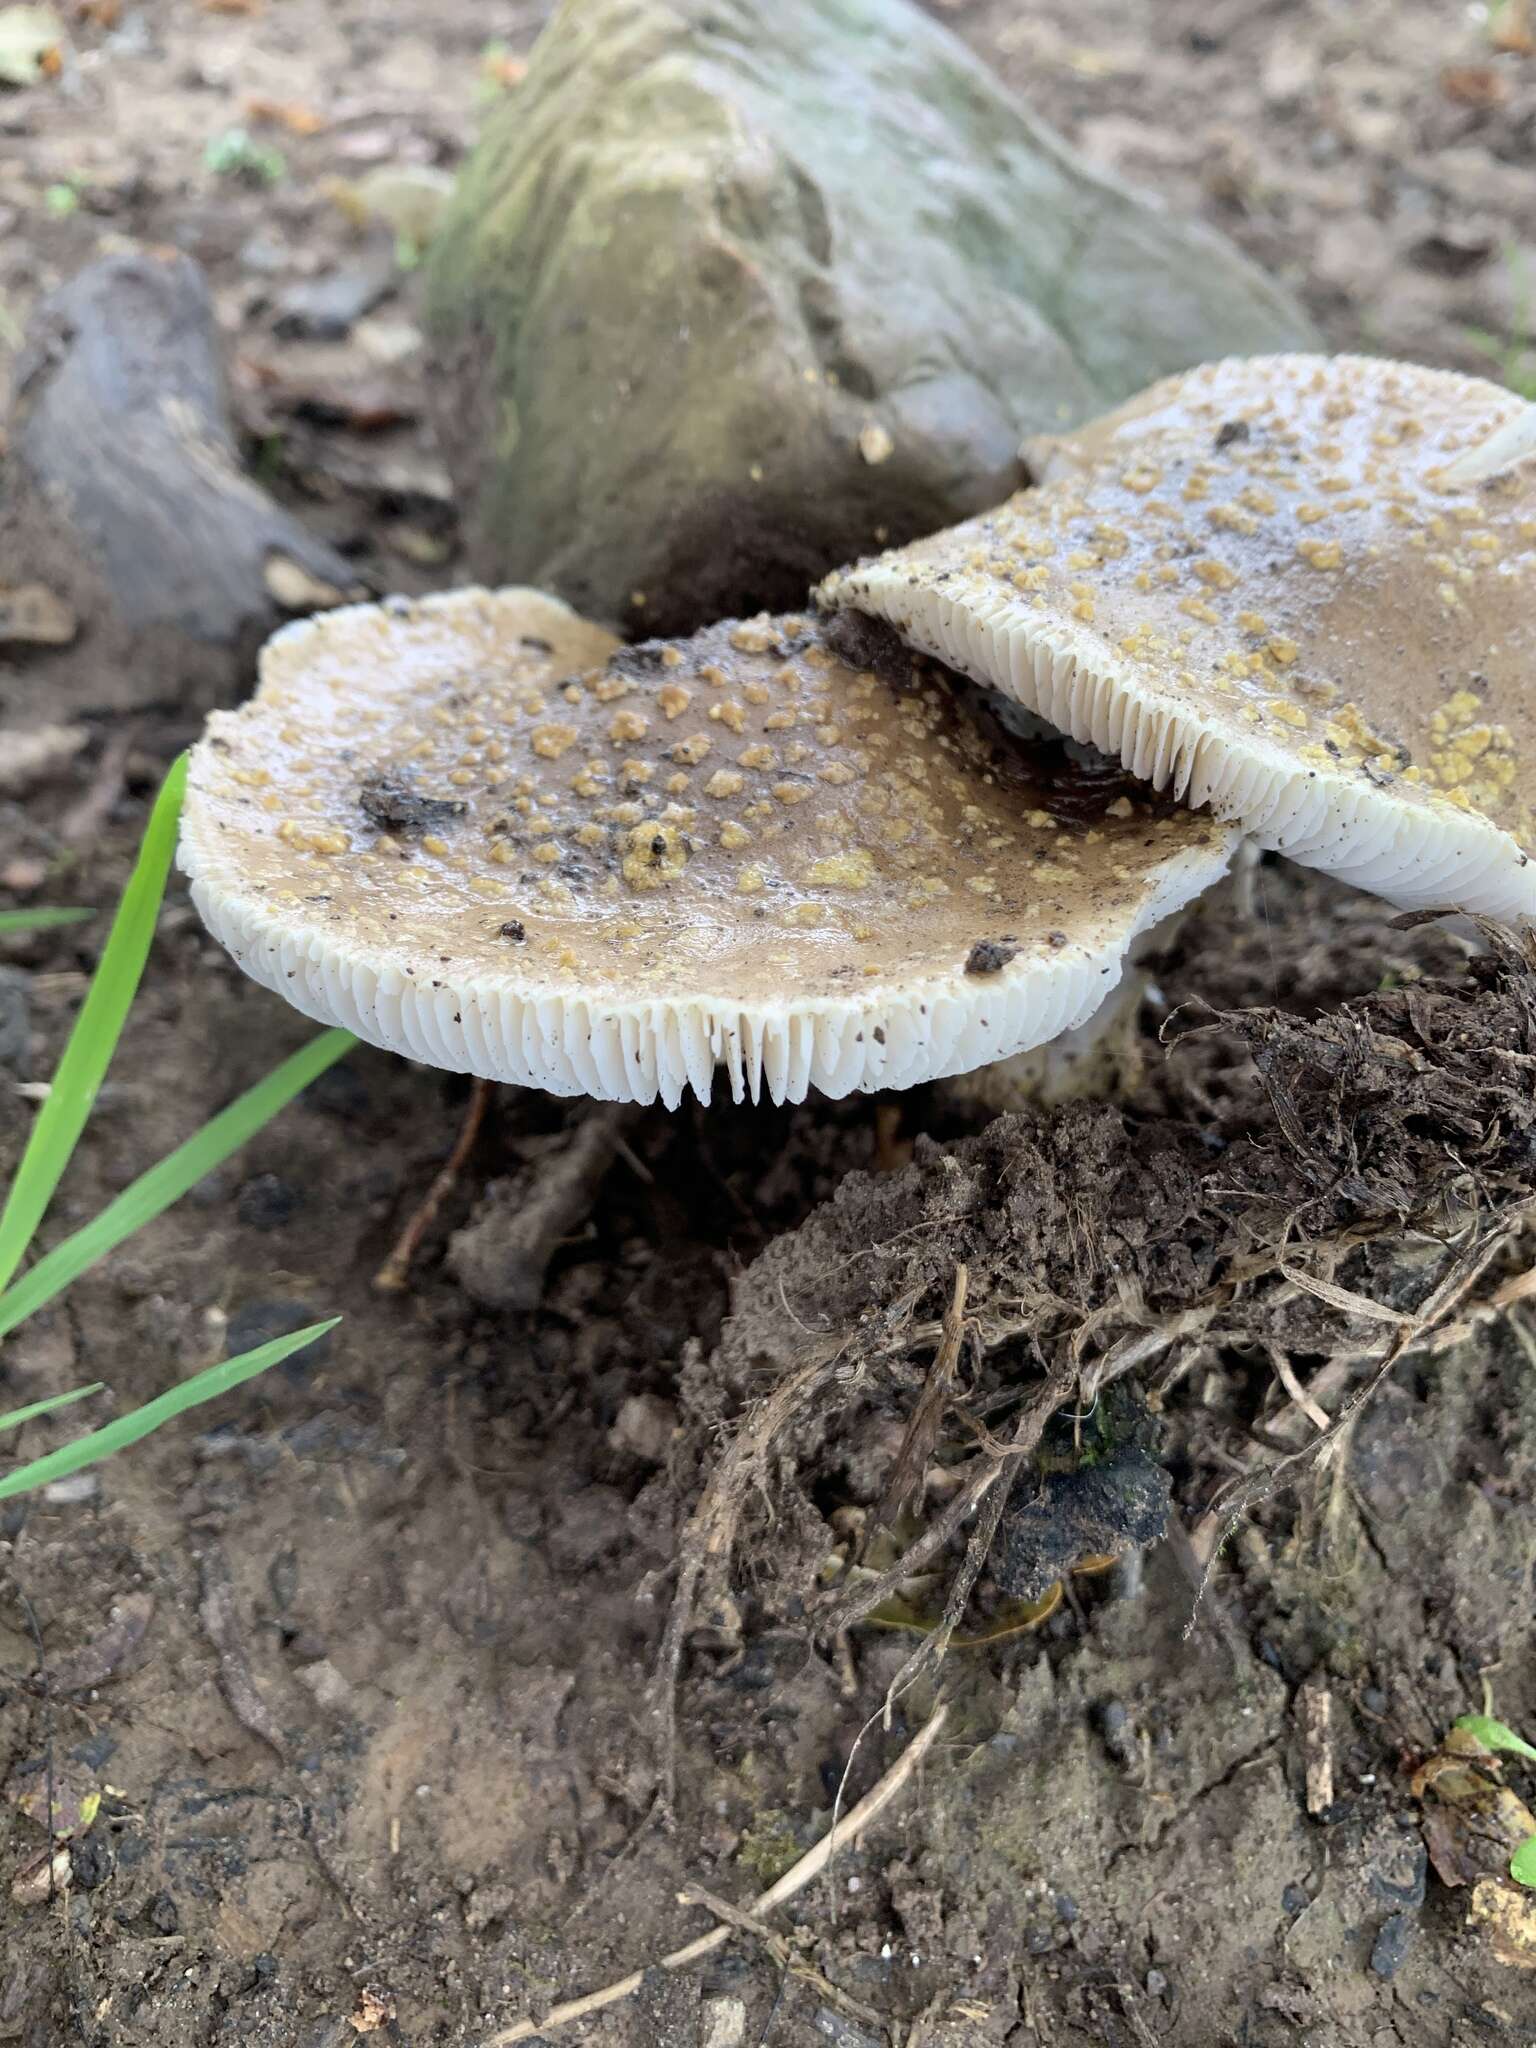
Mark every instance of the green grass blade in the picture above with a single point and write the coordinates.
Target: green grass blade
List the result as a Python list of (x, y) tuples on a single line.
[(18, 1416), (94, 1038), (40, 920), (130, 1429), (1495, 1735), (145, 1198)]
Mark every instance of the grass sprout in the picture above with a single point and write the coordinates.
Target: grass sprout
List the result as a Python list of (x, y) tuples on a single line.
[(57, 1130)]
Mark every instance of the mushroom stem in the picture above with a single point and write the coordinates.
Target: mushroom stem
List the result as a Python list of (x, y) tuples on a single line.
[(1099, 1058), (1506, 446)]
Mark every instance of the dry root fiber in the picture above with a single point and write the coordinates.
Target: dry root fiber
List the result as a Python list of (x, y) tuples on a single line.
[(1338, 1197)]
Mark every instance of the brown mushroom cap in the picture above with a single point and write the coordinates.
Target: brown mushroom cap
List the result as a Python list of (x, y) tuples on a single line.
[(1258, 585), (740, 850)]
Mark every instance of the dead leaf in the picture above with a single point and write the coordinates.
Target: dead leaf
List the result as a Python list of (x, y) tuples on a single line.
[(37, 1881), (31, 45), (1475, 85), (1513, 30), (373, 2011), (295, 589), (1472, 1822), (68, 1797), (1507, 1911), (94, 1662), (291, 115), (361, 405), (502, 69)]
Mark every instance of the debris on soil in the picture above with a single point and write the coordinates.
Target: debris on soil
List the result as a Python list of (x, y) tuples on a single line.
[(328, 308), (1473, 1822), (501, 1255), (220, 1619), (124, 492), (91, 1664), (30, 758)]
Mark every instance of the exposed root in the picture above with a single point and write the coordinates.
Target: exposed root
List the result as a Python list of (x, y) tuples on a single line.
[(1286, 1205), (394, 1275)]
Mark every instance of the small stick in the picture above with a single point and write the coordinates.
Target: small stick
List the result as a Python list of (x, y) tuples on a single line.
[(795, 1879), (83, 821), (1317, 1738), (393, 1276), (748, 1923)]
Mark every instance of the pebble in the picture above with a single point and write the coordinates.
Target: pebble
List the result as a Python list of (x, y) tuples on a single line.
[(1391, 1945), (267, 1203), (258, 1322)]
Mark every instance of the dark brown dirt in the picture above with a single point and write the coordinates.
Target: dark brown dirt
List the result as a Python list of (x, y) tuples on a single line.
[(358, 1660)]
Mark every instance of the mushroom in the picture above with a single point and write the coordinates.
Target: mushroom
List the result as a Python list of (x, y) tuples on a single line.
[(472, 830), (1272, 587)]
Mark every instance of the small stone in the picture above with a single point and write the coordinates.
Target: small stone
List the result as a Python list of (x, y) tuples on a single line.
[(842, 2033), (259, 1322), (325, 1685), (876, 445), (295, 588), (267, 1203), (1390, 1948), (30, 758), (165, 1914), (722, 2022), (489, 1902), (325, 308), (71, 1492), (644, 1427), (591, 1525)]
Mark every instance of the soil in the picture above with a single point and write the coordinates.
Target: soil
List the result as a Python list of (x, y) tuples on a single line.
[(362, 1663)]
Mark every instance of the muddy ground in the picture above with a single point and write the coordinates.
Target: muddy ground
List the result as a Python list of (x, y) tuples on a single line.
[(358, 1662)]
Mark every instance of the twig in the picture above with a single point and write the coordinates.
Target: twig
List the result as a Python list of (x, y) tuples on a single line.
[(795, 1879), (82, 822), (393, 1276), (1285, 1372), (748, 1923)]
